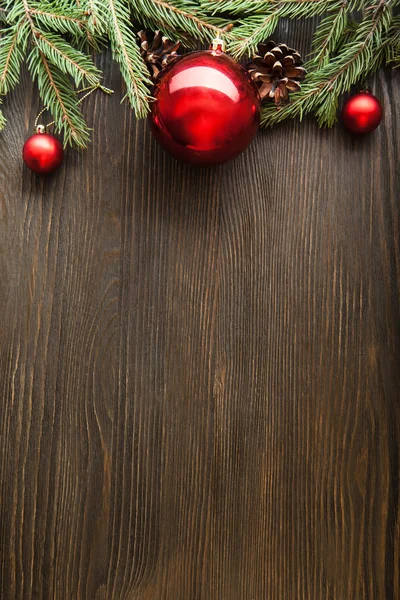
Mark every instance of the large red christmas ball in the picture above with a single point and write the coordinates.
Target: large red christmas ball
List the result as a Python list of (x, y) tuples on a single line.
[(362, 113), (206, 109), (43, 153)]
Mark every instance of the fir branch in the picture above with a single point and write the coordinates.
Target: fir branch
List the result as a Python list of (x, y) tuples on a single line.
[(257, 28), (2, 121), (359, 57), (126, 52), (13, 45), (363, 54), (24, 7), (54, 85), (234, 7), (62, 20), (254, 7), (260, 19), (251, 32), (56, 92), (97, 17), (69, 60), (328, 36), (171, 16), (392, 49), (93, 38)]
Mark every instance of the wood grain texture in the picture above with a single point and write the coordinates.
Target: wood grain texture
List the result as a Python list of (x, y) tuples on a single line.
[(200, 368)]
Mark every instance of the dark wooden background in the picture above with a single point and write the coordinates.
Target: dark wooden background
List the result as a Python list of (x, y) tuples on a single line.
[(200, 368)]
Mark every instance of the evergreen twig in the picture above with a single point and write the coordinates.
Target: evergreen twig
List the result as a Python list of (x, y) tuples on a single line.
[(57, 93), (359, 57), (328, 36), (126, 52), (177, 17)]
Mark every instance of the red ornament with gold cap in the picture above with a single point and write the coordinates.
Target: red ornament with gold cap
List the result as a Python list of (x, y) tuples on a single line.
[(42, 152), (206, 108)]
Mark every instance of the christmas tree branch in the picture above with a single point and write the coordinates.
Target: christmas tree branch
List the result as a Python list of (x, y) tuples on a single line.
[(392, 44), (253, 7), (55, 91), (359, 57), (50, 62), (328, 36), (97, 16), (67, 59), (126, 52), (252, 31), (12, 53), (257, 27), (172, 17), (67, 21)]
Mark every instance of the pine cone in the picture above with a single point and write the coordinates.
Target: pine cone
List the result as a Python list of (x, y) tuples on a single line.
[(158, 53), (276, 69)]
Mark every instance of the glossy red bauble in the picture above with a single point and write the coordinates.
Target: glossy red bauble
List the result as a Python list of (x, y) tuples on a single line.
[(206, 109), (362, 113), (43, 153)]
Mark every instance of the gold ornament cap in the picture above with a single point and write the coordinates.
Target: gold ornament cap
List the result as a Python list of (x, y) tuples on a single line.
[(218, 45)]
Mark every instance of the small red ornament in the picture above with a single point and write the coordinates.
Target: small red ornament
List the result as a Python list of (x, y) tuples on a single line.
[(206, 108), (362, 112), (42, 152)]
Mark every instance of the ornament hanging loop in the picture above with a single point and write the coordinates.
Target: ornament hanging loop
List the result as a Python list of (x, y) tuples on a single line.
[(40, 128)]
